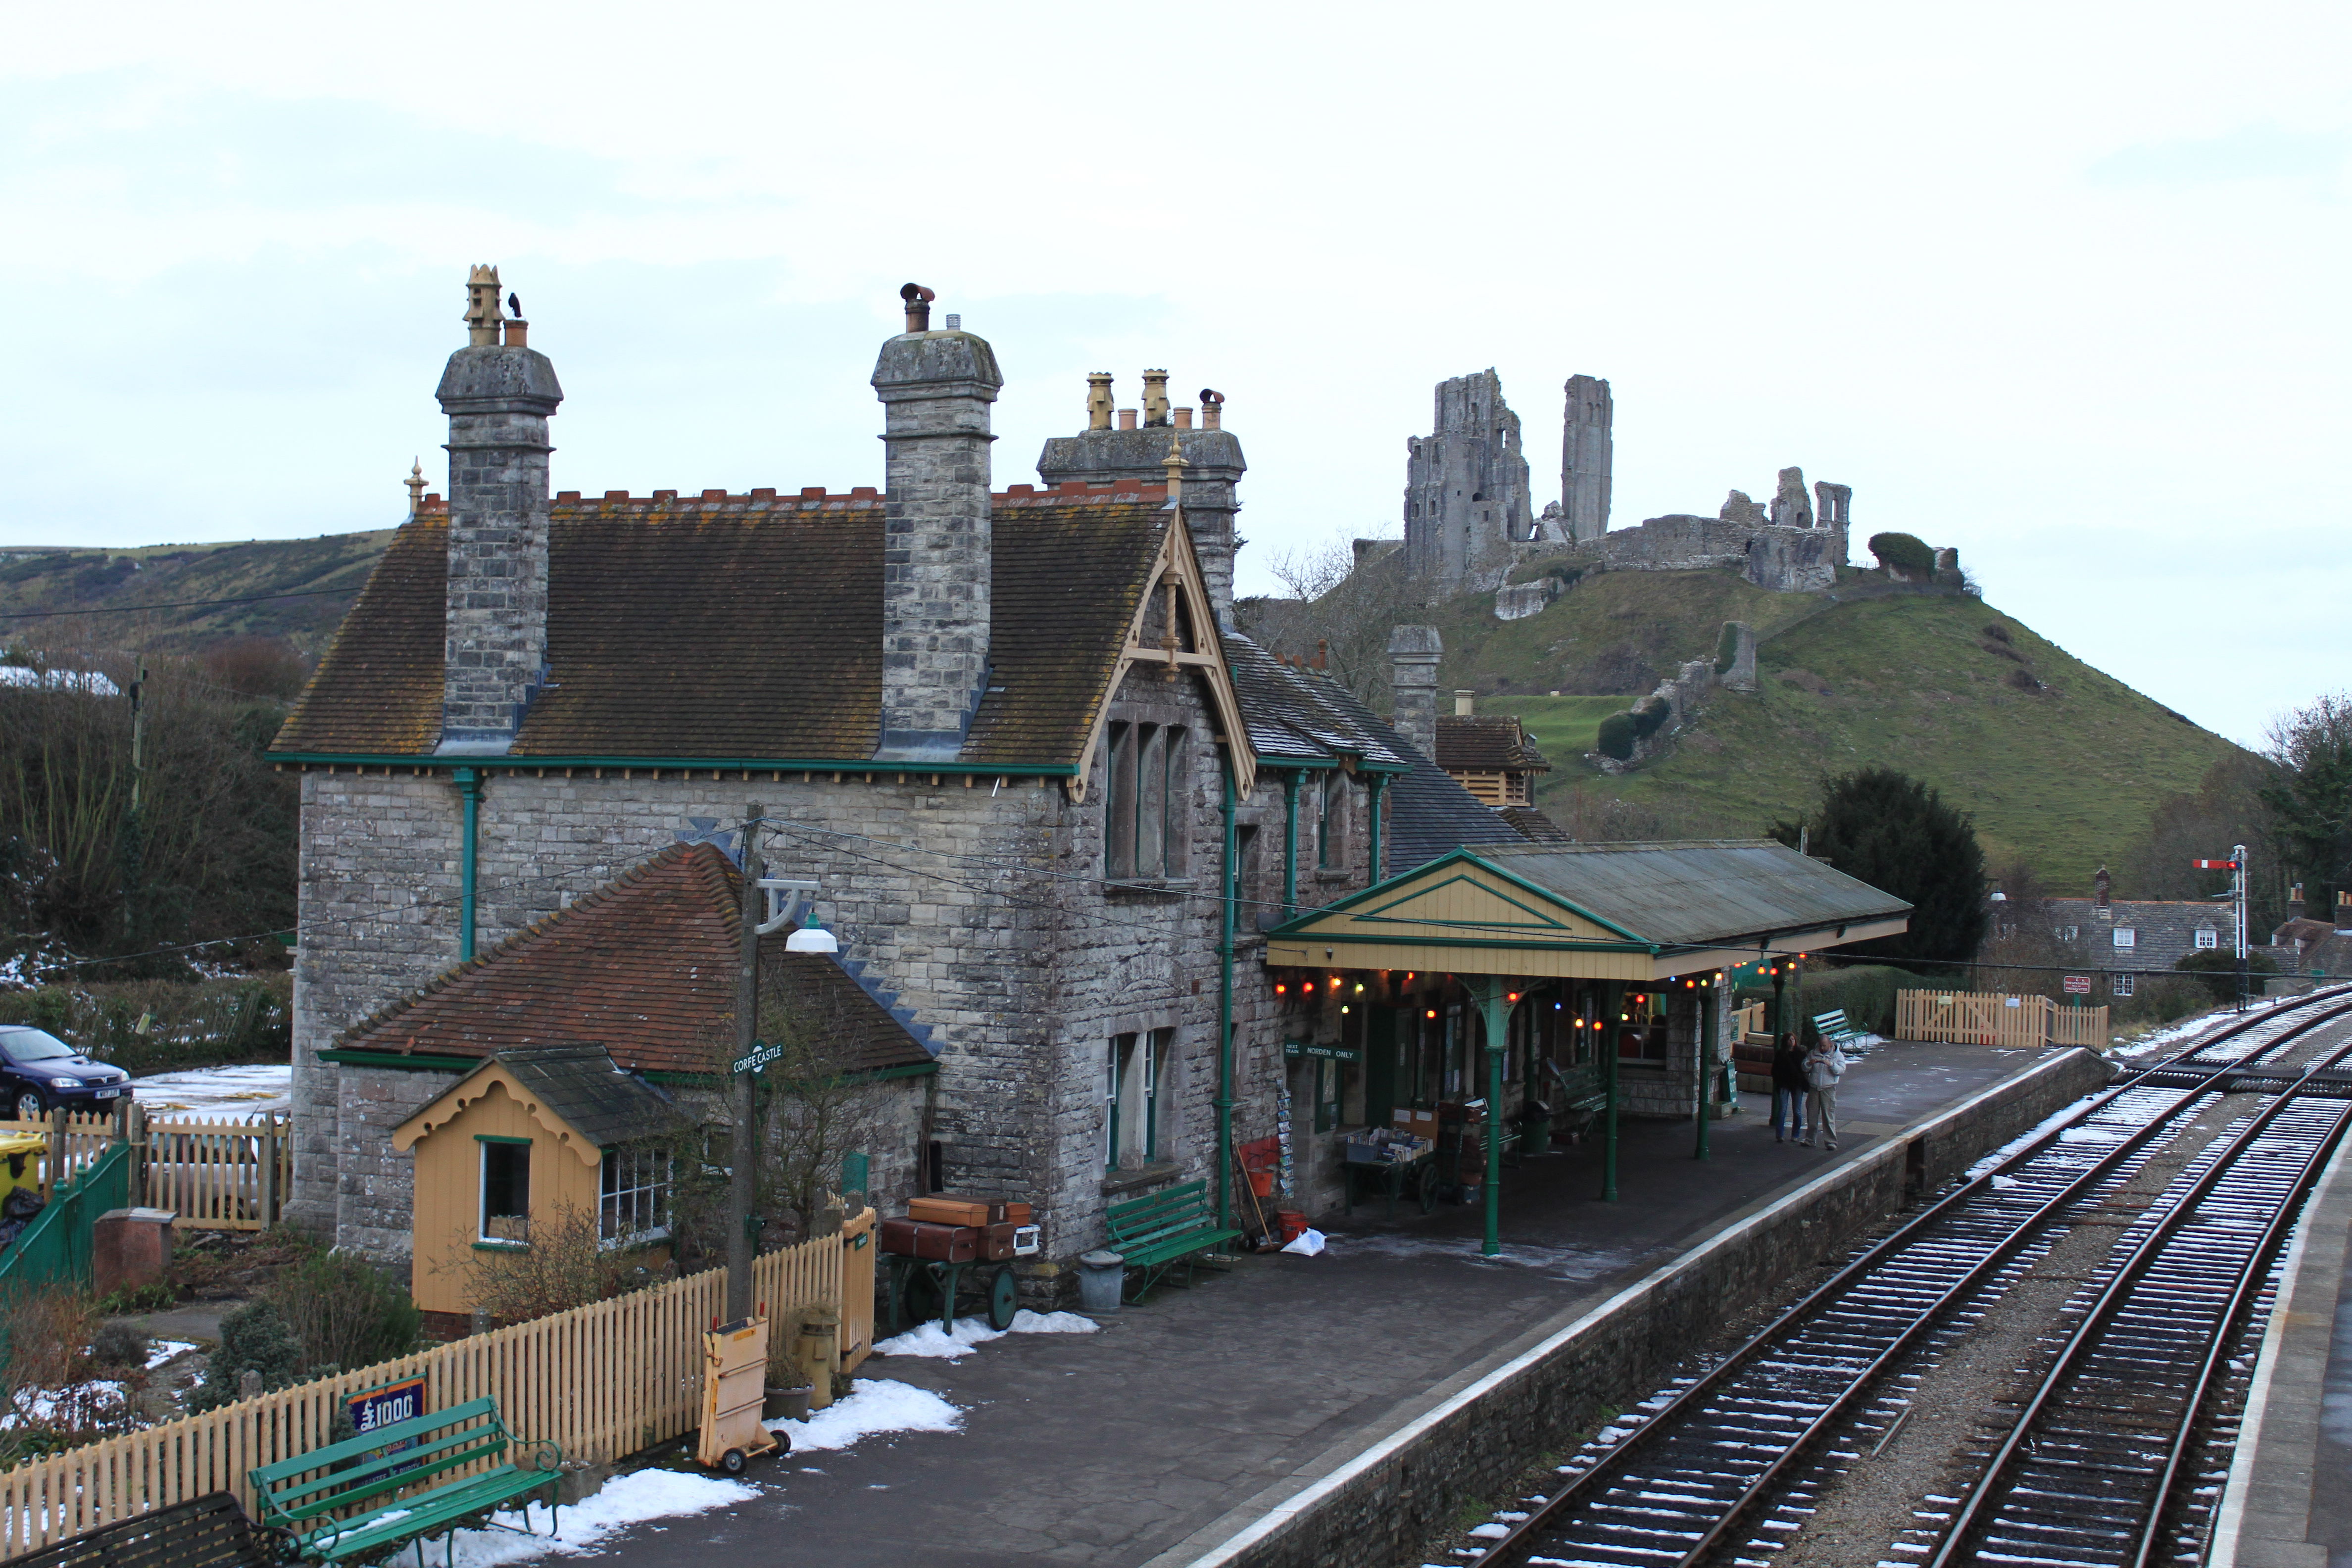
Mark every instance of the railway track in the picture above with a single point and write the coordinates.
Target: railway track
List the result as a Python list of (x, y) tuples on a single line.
[(1694, 1480)]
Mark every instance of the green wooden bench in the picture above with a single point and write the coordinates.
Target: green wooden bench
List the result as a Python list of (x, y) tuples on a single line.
[(1835, 1027), (1582, 1097), (346, 1499), (1155, 1233)]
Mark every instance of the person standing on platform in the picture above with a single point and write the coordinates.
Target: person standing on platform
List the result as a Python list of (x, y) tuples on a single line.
[(1824, 1065), (1789, 1090)]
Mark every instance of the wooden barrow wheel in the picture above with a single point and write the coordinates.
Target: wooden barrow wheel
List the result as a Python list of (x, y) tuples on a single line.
[(1427, 1187), (1004, 1299)]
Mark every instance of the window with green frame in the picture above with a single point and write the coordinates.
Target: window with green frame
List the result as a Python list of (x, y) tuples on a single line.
[(1135, 1067)]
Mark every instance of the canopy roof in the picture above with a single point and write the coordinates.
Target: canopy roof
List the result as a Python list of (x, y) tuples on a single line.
[(1603, 912)]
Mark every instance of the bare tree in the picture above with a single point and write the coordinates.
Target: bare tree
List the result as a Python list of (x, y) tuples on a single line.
[(1340, 604)]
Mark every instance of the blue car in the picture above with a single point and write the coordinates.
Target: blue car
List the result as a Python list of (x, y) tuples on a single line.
[(39, 1072)]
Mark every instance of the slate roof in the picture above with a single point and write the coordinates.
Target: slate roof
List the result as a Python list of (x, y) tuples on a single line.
[(1533, 824), (1692, 893), (589, 1090), (643, 968), (1295, 712), (747, 627), (1486, 743), (2165, 931)]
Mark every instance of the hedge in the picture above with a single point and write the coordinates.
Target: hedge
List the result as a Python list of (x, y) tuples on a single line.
[(1648, 714), (1727, 649), (1616, 737), (1907, 552)]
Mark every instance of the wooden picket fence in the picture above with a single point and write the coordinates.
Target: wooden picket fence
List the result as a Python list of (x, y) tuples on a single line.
[(602, 1381), (215, 1173), (1986, 1019)]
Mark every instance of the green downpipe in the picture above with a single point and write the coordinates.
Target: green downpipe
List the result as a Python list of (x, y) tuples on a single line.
[(1495, 1012), (1613, 999), (1290, 843), (470, 785), (1379, 783), (1226, 1017)]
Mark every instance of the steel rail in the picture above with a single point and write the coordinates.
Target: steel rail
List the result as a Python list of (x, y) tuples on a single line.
[(1522, 1540), (1970, 1517)]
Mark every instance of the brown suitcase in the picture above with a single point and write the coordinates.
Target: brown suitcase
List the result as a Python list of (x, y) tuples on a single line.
[(1020, 1214), (953, 1210), (996, 1242), (938, 1243)]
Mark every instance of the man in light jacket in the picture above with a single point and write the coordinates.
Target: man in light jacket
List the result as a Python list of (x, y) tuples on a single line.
[(1824, 1065)]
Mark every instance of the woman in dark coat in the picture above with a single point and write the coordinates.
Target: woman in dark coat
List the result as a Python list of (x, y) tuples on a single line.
[(1789, 1088)]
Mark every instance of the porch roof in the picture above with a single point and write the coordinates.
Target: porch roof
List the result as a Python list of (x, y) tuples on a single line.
[(1602, 912)]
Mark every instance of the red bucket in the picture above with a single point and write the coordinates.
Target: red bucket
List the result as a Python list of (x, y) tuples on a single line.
[(1261, 1182), (1289, 1225)]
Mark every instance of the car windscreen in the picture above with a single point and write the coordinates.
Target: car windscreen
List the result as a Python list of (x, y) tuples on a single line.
[(34, 1046)]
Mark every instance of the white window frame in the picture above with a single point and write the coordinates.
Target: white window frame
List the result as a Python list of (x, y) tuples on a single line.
[(2119, 985), (2207, 938), (650, 1171), (2127, 936)]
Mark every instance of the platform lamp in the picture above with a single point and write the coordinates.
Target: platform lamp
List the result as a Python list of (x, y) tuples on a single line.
[(785, 900)]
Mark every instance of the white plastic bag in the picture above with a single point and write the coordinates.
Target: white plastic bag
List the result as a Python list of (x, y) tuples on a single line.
[(1308, 1243)]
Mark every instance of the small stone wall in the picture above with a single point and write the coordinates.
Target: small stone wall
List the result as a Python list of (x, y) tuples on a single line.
[(1377, 1507)]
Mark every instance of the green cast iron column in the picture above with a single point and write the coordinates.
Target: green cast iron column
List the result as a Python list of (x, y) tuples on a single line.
[(1613, 1003), (1495, 1012)]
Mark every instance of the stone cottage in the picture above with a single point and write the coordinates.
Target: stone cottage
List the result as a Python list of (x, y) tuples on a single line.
[(1002, 730)]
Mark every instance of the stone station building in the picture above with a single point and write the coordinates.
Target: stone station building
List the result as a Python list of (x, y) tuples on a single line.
[(1011, 734)]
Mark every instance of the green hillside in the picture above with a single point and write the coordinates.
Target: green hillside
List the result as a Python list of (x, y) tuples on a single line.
[(111, 581), (2060, 764)]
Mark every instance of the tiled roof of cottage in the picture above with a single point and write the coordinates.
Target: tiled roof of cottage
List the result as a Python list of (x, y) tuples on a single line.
[(1486, 742), (746, 628), (1534, 824), (644, 968), (2163, 930)]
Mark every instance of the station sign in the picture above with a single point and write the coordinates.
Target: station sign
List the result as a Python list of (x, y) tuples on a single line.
[(374, 1409), (2078, 986), (1297, 1049)]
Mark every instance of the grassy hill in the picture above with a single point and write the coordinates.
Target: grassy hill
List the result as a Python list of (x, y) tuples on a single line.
[(2060, 764), (112, 581)]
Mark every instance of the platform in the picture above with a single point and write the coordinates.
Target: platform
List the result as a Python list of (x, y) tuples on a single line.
[(1156, 1439)]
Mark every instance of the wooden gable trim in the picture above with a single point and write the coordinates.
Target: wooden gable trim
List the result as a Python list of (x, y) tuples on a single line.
[(451, 1103), (1175, 575)]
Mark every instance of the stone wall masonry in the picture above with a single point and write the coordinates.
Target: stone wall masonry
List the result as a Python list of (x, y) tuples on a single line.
[(1024, 978), (1375, 1504)]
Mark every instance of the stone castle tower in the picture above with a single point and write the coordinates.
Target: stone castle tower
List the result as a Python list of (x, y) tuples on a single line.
[(1585, 456), (1466, 498)]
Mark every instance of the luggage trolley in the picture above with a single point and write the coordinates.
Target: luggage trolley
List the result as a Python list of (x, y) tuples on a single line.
[(935, 1265)]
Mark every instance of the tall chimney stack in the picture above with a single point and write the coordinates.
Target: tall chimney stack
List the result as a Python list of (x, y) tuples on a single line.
[(935, 389), (1413, 653), (499, 398)]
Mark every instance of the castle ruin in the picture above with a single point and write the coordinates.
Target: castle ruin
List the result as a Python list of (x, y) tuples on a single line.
[(1468, 522)]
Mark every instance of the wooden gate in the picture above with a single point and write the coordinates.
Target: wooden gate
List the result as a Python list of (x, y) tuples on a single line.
[(1985, 1018), (215, 1173)]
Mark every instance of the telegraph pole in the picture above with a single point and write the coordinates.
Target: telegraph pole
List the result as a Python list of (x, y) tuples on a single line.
[(743, 1154)]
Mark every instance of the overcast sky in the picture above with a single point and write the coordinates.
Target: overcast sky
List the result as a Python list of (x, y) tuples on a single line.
[(2064, 286)]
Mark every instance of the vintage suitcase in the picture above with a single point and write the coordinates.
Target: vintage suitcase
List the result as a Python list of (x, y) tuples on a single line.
[(938, 1243), (996, 1241), (946, 1210)]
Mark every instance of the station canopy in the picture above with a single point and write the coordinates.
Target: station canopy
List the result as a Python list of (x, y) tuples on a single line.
[(1599, 911)]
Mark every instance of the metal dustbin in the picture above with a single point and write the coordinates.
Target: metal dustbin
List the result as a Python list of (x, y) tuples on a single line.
[(1535, 1128), (1102, 1277)]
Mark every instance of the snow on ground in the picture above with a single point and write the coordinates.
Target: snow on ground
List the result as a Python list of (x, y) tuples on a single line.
[(874, 1407), (633, 1498), (161, 1350), (928, 1339), (217, 1091)]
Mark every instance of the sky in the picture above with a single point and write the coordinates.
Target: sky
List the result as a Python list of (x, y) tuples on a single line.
[(2060, 285)]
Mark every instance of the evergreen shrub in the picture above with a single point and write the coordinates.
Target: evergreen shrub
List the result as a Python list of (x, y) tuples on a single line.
[(1616, 737), (1905, 551)]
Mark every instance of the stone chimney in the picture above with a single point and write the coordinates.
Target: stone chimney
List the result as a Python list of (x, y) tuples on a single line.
[(1212, 470), (935, 389), (1413, 653), (1099, 402), (2100, 885), (1155, 398), (499, 398), (1465, 704), (2294, 902)]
